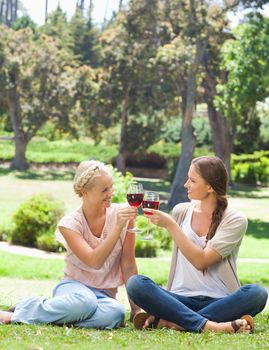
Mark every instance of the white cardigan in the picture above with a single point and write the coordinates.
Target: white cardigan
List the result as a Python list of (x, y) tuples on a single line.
[(226, 242)]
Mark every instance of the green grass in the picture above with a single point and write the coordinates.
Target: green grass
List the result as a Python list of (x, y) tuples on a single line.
[(24, 267), (21, 337)]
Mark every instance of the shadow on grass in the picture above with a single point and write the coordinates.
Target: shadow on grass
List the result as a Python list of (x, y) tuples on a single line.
[(46, 175), (258, 229), (244, 191)]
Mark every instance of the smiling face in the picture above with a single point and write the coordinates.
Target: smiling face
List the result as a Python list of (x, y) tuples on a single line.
[(196, 186), (101, 192)]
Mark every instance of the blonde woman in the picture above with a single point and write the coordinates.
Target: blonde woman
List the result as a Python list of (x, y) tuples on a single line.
[(204, 293), (100, 257)]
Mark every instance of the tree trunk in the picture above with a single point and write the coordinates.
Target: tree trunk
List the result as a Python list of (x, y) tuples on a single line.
[(120, 6), (222, 135), (221, 127), (21, 138), (121, 159), (19, 161), (188, 140), (178, 192)]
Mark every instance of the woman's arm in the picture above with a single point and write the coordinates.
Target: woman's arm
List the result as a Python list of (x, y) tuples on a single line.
[(95, 258), (200, 258), (128, 265)]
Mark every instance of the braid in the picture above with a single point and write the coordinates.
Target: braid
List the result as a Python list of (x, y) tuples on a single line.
[(85, 175), (216, 217)]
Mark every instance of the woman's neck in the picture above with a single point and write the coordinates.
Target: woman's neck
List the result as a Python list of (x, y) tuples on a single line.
[(92, 213), (208, 205)]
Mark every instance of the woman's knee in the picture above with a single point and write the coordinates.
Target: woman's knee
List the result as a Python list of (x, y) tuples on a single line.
[(261, 295), (113, 314), (135, 285), (83, 304), (257, 294)]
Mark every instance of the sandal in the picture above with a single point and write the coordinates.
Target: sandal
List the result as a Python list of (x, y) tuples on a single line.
[(140, 319), (247, 318)]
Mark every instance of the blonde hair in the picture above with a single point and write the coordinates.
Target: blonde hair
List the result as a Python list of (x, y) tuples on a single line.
[(86, 172)]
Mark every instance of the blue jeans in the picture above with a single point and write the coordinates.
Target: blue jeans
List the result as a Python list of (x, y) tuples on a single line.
[(72, 303), (192, 313)]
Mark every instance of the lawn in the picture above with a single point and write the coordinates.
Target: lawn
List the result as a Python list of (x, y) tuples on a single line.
[(24, 276)]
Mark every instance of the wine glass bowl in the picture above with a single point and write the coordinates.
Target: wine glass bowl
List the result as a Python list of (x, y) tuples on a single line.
[(135, 199), (151, 200), (135, 195)]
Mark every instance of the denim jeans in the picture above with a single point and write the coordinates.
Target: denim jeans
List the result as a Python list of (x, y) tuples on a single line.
[(192, 313), (72, 303)]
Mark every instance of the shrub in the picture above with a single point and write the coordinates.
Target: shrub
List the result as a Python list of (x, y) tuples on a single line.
[(47, 242), (149, 248), (120, 185), (145, 249), (35, 217), (251, 169)]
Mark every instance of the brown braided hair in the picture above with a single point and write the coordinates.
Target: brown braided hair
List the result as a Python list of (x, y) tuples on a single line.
[(213, 171)]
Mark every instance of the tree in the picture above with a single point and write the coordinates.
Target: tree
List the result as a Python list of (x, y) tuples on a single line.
[(129, 49), (86, 45), (245, 58), (199, 22), (36, 84), (57, 27), (191, 23)]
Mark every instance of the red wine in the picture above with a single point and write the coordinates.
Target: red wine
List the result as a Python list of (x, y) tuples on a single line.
[(135, 199), (151, 205)]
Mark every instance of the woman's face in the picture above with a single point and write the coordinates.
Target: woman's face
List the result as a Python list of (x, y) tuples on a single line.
[(196, 186), (101, 193)]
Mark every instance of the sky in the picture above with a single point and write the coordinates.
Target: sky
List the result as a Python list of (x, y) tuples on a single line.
[(102, 8)]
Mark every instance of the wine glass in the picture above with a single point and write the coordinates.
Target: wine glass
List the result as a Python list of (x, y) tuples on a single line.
[(135, 194), (151, 200)]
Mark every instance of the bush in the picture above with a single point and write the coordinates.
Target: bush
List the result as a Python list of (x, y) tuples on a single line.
[(149, 248), (120, 185), (35, 217), (47, 242), (252, 169), (145, 249)]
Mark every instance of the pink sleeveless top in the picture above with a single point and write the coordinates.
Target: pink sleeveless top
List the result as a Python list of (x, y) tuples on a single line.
[(109, 276)]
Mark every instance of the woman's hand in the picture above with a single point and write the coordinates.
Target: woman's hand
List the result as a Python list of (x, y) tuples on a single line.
[(159, 218), (125, 214)]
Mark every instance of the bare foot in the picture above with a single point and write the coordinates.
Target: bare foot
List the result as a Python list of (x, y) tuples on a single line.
[(240, 326), (5, 317)]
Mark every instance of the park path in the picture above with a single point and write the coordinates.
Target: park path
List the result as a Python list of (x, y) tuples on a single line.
[(33, 252)]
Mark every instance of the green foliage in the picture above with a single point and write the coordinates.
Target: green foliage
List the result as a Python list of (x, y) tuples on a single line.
[(245, 58), (24, 22), (147, 127), (120, 185), (51, 131), (145, 248), (57, 27), (34, 218), (252, 169), (62, 151), (46, 241), (86, 46), (150, 248)]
